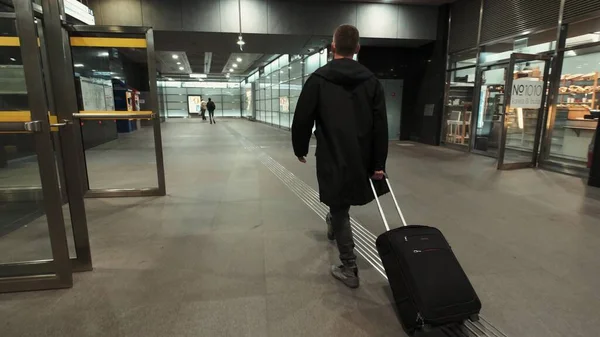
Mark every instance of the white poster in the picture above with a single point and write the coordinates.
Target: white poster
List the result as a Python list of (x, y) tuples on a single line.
[(284, 104), (527, 93), (96, 94), (194, 104), (109, 96)]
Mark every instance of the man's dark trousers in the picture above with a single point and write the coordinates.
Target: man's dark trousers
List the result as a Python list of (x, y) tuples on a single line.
[(340, 221)]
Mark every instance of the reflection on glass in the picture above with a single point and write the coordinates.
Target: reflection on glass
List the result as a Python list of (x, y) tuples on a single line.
[(576, 115), (119, 153), (532, 44), (491, 107), (522, 123), (23, 227), (458, 109)]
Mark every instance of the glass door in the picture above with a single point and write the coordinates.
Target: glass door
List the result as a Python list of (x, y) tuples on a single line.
[(33, 244), (488, 126), (524, 105), (114, 70)]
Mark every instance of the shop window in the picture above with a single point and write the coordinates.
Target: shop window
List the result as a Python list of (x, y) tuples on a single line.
[(456, 125), (578, 103), (464, 59), (583, 33), (537, 43)]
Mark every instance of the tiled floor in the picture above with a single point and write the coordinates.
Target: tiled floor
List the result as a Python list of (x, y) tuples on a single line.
[(231, 251)]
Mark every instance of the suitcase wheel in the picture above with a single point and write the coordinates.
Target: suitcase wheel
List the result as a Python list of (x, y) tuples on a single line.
[(474, 318)]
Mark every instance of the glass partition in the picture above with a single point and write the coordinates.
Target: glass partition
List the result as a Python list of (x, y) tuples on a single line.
[(278, 85)]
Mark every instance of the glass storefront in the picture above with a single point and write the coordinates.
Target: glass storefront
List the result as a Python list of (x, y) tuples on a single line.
[(456, 126), (476, 117), (578, 100)]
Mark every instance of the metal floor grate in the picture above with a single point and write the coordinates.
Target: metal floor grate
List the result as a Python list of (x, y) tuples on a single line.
[(364, 239)]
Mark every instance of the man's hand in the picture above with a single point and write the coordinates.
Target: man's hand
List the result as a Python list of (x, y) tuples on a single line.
[(302, 160), (378, 175)]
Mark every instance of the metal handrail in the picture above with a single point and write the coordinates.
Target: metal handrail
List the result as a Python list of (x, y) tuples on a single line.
[(112, 115), (34, 126)]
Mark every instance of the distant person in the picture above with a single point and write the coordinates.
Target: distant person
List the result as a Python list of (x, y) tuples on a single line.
[(203, 109), (347, 103), (211, 111)]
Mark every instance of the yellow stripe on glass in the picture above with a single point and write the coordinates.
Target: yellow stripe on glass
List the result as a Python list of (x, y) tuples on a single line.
[(108, 42), (15, 116), (9, 41)]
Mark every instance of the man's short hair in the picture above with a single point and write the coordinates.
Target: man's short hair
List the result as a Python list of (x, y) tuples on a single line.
[(346, 40)]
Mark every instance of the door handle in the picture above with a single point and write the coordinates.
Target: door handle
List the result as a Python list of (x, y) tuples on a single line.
[(60, 124)]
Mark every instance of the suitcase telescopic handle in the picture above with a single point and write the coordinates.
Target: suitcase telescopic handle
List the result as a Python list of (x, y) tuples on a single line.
[(387, 181)]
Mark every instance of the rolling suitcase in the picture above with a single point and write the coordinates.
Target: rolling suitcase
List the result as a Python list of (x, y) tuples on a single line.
[(429, 286)]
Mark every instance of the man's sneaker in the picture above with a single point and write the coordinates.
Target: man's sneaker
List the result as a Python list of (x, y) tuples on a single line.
[(348, 276)]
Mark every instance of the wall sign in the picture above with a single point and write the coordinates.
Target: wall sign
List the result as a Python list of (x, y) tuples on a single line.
[(79, 11), (527, 93)]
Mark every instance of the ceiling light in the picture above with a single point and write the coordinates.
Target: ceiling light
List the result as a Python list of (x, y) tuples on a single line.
[(198, 75), (78, 65), (281, 71), (175, 56), (169, 79), (13, 59), (240, 41), (200, 80), (239, 59), (230, 70), (181, 68), (235, 65), (178, 63), (103, 54)]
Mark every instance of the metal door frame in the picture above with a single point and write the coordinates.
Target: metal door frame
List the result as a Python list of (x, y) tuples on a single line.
[(57, 273), (514, 59), (56, 60), (477, 101), (148, 33)]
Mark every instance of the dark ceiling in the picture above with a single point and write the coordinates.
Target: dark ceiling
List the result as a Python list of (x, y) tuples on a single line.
[(193, 46), (414, 2)]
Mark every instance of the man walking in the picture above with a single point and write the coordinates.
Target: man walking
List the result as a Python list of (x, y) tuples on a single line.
[(211, 111), (203, 109), (347, 103)]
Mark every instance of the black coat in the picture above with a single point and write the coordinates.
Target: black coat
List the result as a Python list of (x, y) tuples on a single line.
[(211, 106), (347, 103)]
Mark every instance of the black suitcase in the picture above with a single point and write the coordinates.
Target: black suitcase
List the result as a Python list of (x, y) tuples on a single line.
[(429, 286)]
